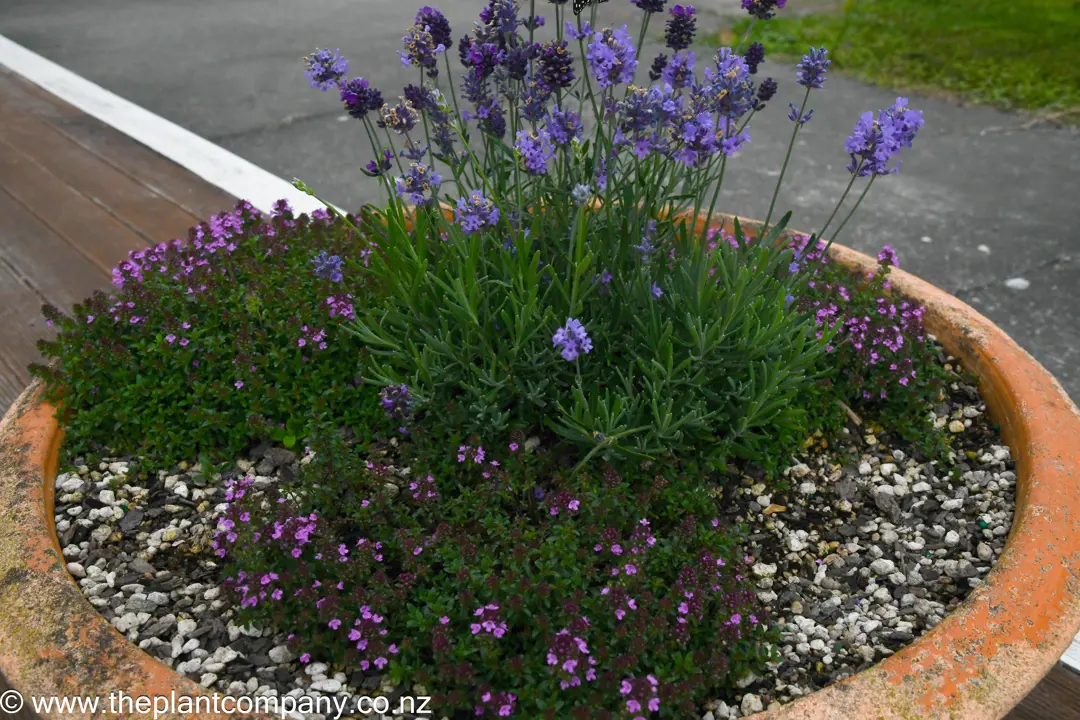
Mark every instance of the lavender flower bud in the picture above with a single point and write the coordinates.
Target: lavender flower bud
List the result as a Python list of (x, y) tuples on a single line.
[(681, 26)]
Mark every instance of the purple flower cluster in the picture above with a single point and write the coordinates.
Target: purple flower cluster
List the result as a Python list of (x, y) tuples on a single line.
[(647, 245), (763, 9), (341, 305), (177, 259), (424, 490), (681, 27), (398, 405), (650, 6), (500, 19), (570, 658), (888, 257), (435, 23), (644, 119), (488, 621), (327, 266), (420, 184), (359, 98), (573, 339), (555, 65), (535, 150), (765, 93), (400, 118), (881, 339), (731, 91), (325, 69), (612, 57), (679, 71), (793, 115), (501, 704), (656, 70), (755, 55), (563, 127), (476, 212), (640, 696), (376, 168), (876, 141), (316, 338), (812, 68)]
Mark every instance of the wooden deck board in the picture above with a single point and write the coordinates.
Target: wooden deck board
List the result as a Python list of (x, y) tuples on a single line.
[(144, 166), (1057, 697), (36, 267), (133, 204), (90, 229)]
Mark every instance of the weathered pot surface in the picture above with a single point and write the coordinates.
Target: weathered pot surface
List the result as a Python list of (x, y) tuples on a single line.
[(978, 663)]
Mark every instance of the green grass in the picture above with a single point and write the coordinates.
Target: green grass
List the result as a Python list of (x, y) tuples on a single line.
[(1016, 55)]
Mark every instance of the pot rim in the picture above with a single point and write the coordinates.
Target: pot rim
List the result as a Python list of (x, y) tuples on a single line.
[(977, 663)]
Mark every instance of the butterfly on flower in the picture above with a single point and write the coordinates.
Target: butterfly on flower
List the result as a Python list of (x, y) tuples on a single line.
[(580, 5)]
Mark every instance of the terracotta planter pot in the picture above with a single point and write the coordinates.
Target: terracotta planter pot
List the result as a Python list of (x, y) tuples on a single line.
[(979, 662)]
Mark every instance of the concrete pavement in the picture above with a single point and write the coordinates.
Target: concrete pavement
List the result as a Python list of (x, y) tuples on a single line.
[(980, 200)]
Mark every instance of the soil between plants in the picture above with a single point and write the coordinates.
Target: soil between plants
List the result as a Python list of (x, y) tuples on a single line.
[(866, 547)]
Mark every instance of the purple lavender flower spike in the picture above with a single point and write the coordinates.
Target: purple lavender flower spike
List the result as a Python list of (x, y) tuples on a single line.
[(360, 98), (763, 9), (793, 115), (325, 69), (647, 246), (679, 72), (581, 194), (397, 403), (327, 267), (555, 65), (421, 50), (476, 212), (731, 93), (417, 181), (400, 118), (730, 143), (612, 57), (573, 338), (375, 168), (812, 68), (699, 138), (681, 27), (765, 92), (571, 31), (755, 55), (874, 142), (535, 149), (563, 127), (657, 70), (436, 24), (650, 6), (500, 19)]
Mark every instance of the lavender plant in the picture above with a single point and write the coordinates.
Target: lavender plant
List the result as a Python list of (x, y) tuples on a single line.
[(538, 252)]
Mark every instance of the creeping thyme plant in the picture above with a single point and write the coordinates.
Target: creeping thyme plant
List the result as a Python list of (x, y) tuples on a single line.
[(521, 380)]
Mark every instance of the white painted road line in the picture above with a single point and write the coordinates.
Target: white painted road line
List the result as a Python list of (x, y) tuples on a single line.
[(212, 163)]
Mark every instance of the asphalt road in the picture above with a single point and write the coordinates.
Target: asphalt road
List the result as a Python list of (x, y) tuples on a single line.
[(982, 203)]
